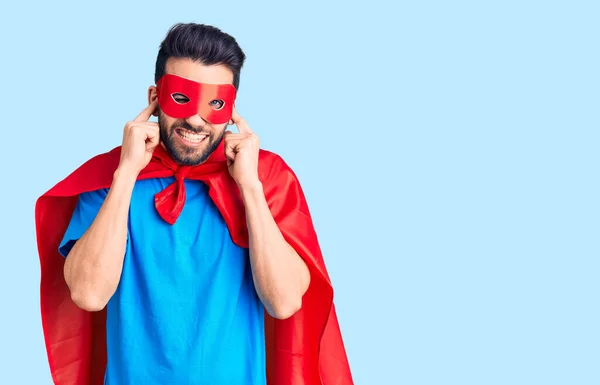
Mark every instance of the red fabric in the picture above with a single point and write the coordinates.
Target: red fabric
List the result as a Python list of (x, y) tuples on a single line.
[(306, 349), (199, 94), (169, 202)]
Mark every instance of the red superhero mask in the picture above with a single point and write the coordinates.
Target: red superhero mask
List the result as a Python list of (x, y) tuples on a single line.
[(181, 98)]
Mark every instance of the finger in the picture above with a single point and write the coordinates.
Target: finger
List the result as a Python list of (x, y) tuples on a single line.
[(231, 137), (229, 155), (240, 123), (152, 138), (145, 129), (146, 112)]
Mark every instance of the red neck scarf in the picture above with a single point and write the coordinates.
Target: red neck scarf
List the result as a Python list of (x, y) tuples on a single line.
[(170, 201)]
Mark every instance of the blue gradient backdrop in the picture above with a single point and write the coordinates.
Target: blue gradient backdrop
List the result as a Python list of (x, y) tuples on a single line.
[(448, 151)]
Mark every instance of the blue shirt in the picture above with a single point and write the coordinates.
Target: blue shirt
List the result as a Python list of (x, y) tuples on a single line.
[(185, 310)]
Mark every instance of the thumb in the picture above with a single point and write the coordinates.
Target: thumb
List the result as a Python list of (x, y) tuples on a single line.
[(152, 140), (229, 154)]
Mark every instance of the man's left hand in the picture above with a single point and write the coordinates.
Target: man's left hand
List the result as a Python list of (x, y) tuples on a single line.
[(241, 150)]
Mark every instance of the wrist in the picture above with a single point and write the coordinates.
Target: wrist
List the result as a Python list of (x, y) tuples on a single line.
[(125, 174), (251, 187)]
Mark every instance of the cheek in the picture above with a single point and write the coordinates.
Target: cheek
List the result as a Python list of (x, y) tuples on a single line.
[(218, 129), (166, 122)]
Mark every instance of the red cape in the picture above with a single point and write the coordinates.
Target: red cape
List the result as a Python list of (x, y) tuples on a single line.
[(306, 349)]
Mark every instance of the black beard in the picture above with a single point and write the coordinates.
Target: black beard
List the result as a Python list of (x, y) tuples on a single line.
[(186, 156)]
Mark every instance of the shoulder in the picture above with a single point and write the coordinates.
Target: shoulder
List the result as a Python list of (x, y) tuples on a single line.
[(281, 185), (106, 161), (98, 171), (94, 174), (94, 195), (110, 157), (277, 176), (271, 164)]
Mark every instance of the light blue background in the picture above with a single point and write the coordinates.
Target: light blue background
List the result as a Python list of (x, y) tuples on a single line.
[(448, 151)]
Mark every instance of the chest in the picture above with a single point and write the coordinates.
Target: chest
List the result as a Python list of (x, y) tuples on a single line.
[(196, 249)]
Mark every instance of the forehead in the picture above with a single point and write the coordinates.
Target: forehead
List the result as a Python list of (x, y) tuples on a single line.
[(198, 72)]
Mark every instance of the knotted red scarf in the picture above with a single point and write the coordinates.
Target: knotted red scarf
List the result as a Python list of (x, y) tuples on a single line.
[(305, 349), (169, 202)]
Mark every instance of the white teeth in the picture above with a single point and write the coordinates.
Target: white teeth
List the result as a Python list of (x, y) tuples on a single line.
[(194, 138)]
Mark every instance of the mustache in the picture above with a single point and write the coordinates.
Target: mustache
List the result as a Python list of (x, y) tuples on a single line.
[(185, 125)]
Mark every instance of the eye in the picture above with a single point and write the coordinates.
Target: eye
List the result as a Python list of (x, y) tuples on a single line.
[(180, 98), (217, 104)]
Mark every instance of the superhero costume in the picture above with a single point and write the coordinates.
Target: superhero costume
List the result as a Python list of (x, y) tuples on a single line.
[(304, 349)]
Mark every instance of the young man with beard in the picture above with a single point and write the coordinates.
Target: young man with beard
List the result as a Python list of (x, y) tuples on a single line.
[(186, 255)]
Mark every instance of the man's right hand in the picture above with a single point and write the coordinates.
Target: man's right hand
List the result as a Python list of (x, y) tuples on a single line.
[(94, 265), (140, 138)]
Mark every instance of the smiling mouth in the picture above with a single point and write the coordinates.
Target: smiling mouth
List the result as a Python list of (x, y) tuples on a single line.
[(190, 137)]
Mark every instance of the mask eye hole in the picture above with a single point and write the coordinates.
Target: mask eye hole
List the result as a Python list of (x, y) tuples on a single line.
[(217, 104), (180, 98)]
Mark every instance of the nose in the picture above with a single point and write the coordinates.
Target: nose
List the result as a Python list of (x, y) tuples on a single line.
[(196, 121)]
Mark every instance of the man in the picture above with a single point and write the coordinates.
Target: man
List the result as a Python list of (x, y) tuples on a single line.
[(186, 255)]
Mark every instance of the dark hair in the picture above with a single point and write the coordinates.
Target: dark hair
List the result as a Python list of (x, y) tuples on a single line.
[(203, 43)]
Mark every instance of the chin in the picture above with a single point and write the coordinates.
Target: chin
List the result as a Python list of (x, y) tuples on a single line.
[(189, 155)]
